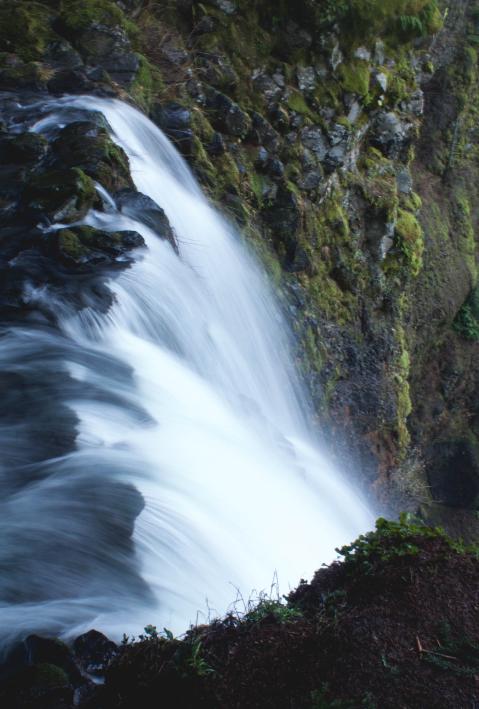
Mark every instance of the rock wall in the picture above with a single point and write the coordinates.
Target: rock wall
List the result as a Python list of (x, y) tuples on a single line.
[(341, 137)]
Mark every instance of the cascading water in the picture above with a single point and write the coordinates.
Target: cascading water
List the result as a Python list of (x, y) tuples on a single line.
[(185, 392)]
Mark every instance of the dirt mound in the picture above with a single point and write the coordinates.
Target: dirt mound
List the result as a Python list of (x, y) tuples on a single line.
[(395, 624)]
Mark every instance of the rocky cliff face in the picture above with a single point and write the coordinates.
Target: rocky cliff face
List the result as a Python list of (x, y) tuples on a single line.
[(341, 137)]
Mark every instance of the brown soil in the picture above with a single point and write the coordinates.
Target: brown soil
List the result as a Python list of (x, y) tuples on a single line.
[(396, 628)]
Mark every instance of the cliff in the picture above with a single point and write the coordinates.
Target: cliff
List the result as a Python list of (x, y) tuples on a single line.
[(341, 138)]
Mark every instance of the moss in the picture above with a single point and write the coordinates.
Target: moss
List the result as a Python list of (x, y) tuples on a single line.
[(465, 233), (466, 322), (25, 29), (47, 675), (70, 245), (410, 240), (296, 102), (411, 202), (148, 84), (355, 77), (78, 15), (64, 195)]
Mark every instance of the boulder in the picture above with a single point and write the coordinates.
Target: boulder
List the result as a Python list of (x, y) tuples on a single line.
[(145, 210), (60, 195)]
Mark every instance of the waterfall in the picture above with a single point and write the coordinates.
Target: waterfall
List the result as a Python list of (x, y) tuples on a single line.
[(188, 409)]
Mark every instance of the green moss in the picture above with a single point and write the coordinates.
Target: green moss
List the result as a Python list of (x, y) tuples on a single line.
[(25, 29), (70, 245), (464, 229), (410, 240), (296, 102), (466, 322), (355, 77), (411, 202), (49, 676), (148, 84), (78, 15)]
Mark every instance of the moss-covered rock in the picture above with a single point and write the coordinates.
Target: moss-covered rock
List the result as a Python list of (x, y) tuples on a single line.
[(61, 195)]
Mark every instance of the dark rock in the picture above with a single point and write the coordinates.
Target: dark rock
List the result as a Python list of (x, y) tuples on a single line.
[(314, 139), (175, 120), (122, 68), (263, 133), (280, 119), (60, 54), (171, 116), (391, 135), (145, 210), (41, 650), (453, 473), (87, 247), (87, 145), (218, 72), (335, 158), (216, 146), (26, 148), (262, 157), (275, 168), (60, 195), (94, 651), (311, 179), (69, 80), (227, 115), (283, 218)]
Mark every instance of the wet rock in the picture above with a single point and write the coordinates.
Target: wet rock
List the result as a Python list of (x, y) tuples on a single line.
[(24, 149), (171, 116), (61, 54), (261, 158), (314, 139), (87, 145), (175, 120), (335, 158), (280, 119), (306, 78), (41, 650), (453, 473), (284, 218), (71, 81), (391, 135), (311, 179), (60, 195), (218, 72), (275, 168), (87, 247), (227, 115), (94, 651), (263, 133), (266, 86), (216, 146), (144, 209), (108, 47)]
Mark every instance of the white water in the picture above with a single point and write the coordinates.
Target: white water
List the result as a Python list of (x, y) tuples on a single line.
[(197, 404)]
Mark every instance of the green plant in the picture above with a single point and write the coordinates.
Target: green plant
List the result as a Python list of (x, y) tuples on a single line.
[(458, 655), (269, 607), (196, 662), (466, 322), (393, 539)]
